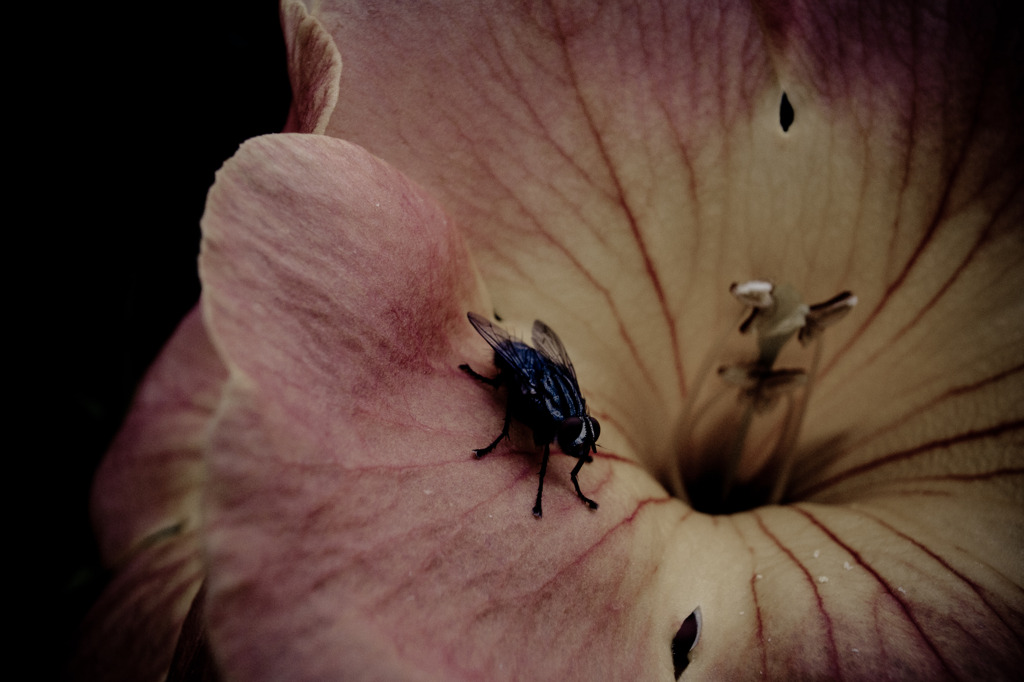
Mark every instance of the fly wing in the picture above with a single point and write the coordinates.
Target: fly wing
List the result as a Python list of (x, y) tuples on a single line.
[(547, 343), (502, 343)]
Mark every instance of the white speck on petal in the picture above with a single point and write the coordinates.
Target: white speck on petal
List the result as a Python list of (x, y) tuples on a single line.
[(822, 578), (855, 650), (428, 491), (742, 612), (758, 576), (817, 553), (901, 590), (846, 565)]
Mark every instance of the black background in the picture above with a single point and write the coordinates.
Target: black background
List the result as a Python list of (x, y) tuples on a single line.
[(122, 116)]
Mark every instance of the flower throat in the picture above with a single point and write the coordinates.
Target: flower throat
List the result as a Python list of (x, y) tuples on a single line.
[(740, 425)]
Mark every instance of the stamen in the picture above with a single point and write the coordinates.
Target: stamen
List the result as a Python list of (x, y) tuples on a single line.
[(762, 386), (761, 437), (755, 293), (826, 314), (745, 327)]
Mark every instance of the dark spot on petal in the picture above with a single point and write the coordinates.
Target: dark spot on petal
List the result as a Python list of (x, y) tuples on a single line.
[(786, 113), (684, 641)]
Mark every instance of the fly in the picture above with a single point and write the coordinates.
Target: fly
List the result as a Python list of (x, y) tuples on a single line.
[(543, 394)]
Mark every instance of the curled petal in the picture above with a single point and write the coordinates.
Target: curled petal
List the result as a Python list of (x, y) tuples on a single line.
[(314, 70), (146, 512)]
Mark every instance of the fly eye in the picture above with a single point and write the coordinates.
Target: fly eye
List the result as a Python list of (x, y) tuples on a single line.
[(572, 434), (572, 427)]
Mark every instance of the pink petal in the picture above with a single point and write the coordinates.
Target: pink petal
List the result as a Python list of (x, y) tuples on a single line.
[(351, 531), (146, 513)]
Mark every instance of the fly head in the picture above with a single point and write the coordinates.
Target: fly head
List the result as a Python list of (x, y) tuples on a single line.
[(577, 436)]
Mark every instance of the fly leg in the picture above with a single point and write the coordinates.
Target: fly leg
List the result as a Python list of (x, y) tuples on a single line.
[(540, 486), (495, 382), (576, 469), (480, 452)]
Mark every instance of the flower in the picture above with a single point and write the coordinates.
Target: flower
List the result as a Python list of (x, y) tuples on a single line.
[(610, 168)]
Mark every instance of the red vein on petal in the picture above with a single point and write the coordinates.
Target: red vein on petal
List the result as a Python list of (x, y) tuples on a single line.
[(939, 215), (612, 307), (942, 562), (627, 435), (946, 285), (833, 654), (762, 646), (530, 109), (631, 218), (933, 403), (624, 522), (911, 126), (982, 476), (886, 297), (525, 472), (568, 253), (910, 453), (878, 578), (665, 110), (596, 284), (870, 490)]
